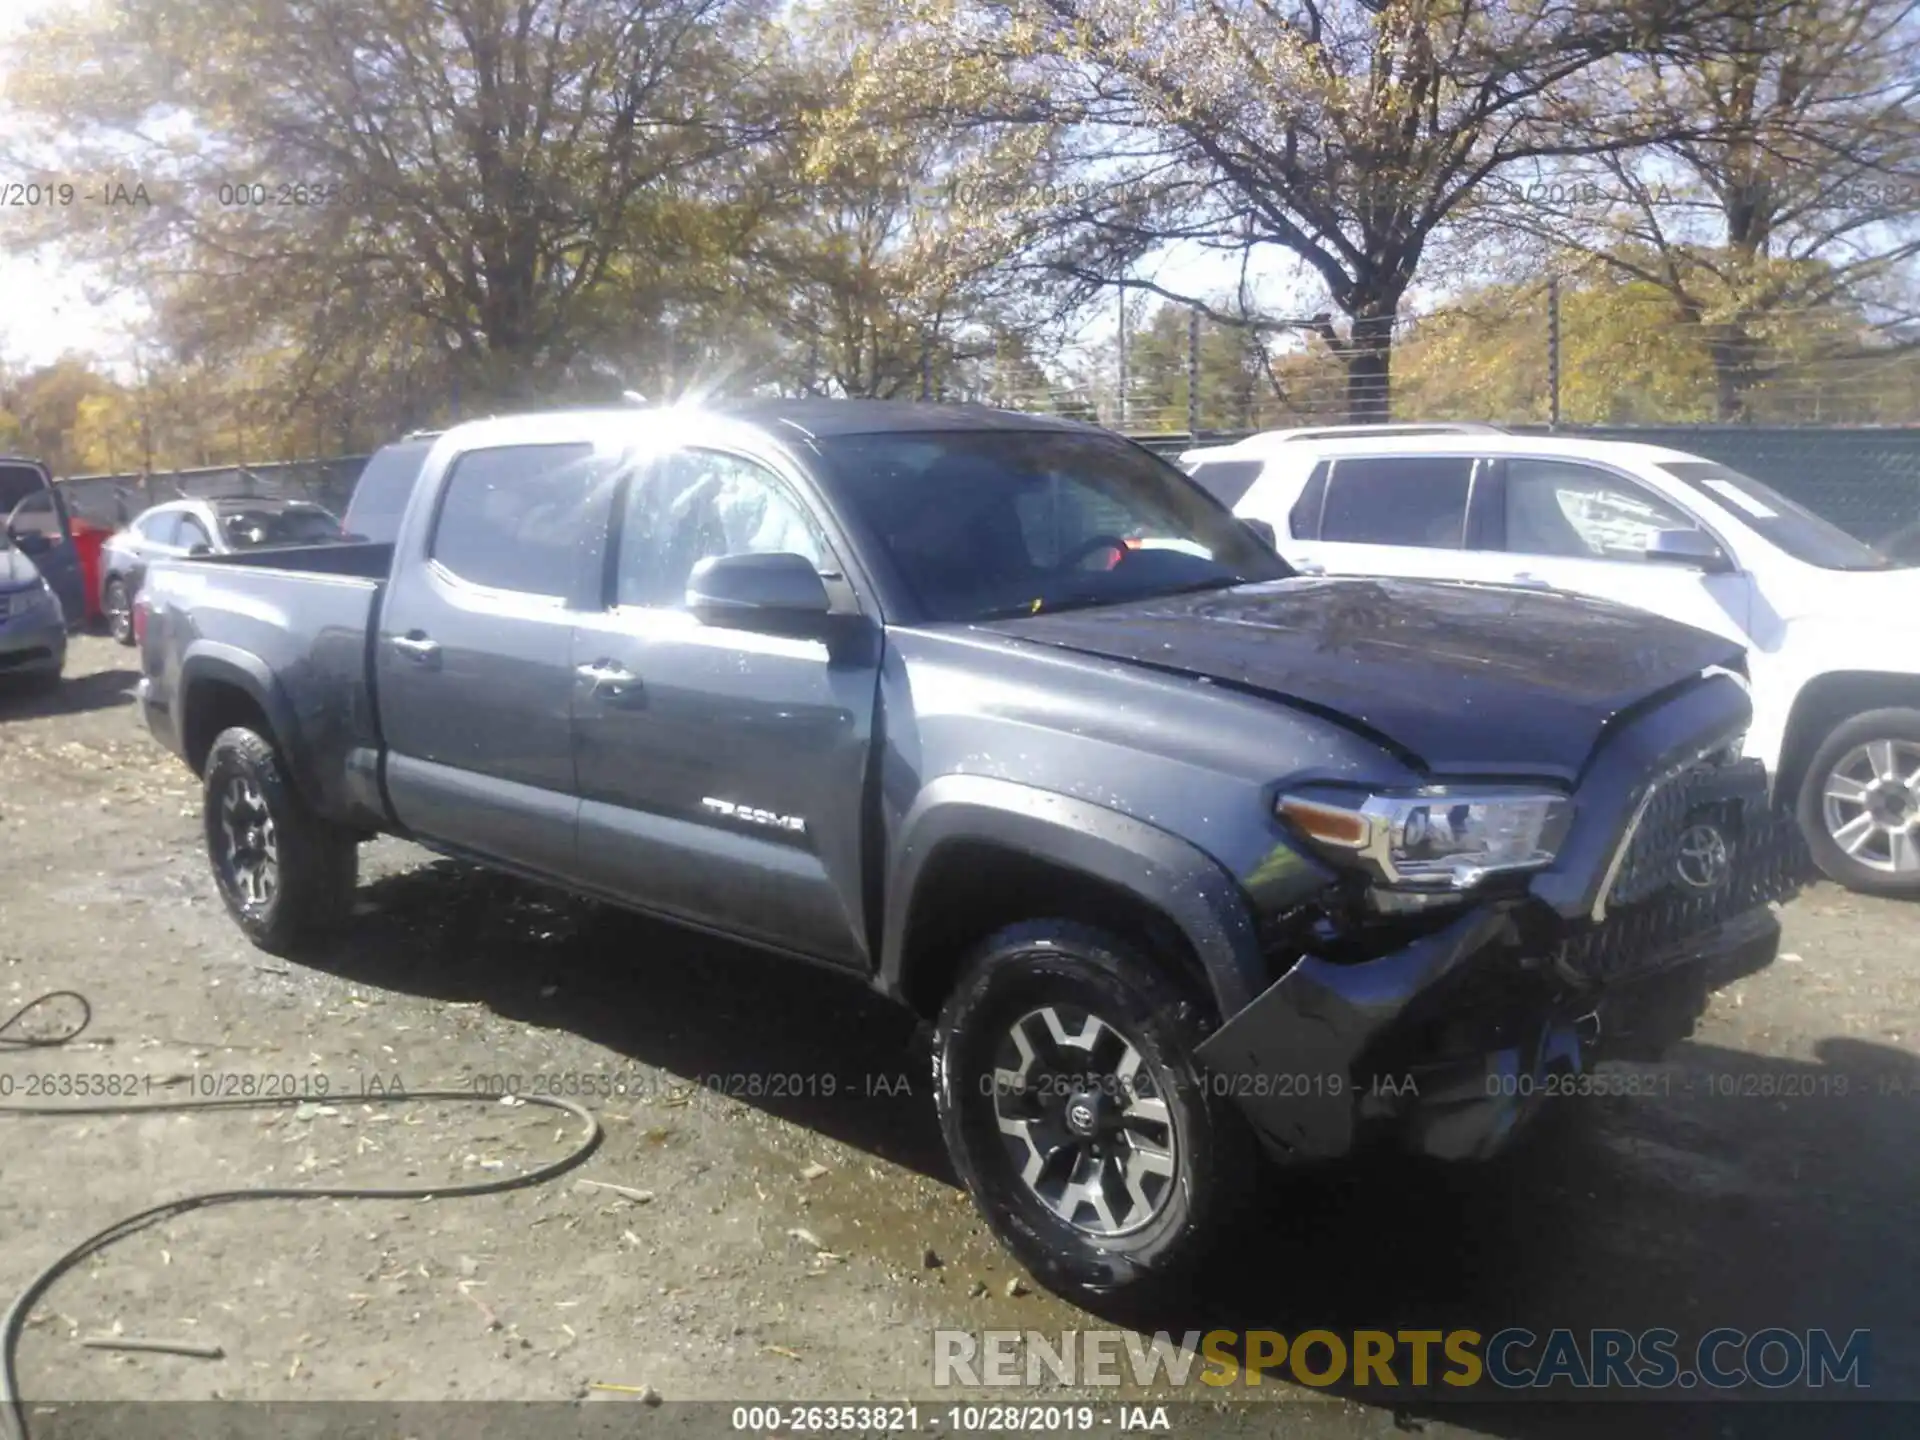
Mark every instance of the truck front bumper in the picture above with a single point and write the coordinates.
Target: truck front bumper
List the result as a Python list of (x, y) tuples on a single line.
[(1450, 1044)]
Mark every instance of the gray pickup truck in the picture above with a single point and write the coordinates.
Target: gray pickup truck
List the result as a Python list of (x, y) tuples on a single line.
[(1184, 856)]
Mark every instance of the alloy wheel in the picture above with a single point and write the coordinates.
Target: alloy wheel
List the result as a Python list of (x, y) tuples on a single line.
[(1083, 1122), (250, 847), (1871, 805)]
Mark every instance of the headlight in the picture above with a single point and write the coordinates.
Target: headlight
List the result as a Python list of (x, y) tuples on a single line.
[(1442, 838)]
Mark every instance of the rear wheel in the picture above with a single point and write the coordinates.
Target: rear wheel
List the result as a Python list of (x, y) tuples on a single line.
[(1076, 1114), (1860, 803), (285, 874), (118, 605)]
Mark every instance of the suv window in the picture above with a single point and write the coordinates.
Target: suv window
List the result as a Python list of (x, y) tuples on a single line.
[(1563, 508), (1227, 480), (158, 526), (1398, 500), (513, 517), (695, 504)]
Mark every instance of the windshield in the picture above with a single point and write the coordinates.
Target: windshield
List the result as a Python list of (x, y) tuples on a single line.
[(308, 525), (1788, 524), (1013, 522)]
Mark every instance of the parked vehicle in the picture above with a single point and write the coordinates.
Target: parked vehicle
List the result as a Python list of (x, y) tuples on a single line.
[(33, 623), (39, 528), (1832, 624), (200, 527), (1176, 849)]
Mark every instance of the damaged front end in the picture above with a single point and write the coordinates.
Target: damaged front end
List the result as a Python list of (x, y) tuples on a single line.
[(1441, 1022)]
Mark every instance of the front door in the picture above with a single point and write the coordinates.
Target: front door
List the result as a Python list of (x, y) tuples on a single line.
[(722, 771), (36, 521), (472, 668)]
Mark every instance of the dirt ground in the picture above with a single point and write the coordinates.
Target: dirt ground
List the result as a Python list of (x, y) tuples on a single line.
[(796, 1243)]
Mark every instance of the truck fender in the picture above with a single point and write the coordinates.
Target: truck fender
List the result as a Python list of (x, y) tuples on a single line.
[(208, 662), (1160, 869)]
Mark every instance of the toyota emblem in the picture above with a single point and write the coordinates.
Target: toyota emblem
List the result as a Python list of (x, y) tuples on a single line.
[(1704, 860)]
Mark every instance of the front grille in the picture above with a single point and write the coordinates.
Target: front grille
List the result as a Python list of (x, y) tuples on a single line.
[(1710, 846)]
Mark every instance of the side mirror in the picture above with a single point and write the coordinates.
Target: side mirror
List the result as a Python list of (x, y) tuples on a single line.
[(1264, 530), (1693, 548), (197, 551), (757, 592)]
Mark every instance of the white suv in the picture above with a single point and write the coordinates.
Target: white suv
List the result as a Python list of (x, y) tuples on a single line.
[(1831, 625)]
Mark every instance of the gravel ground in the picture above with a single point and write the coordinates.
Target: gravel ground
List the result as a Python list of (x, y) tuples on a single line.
[(771, 1239)]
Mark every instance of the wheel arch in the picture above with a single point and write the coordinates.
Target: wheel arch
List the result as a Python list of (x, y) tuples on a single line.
[(220, 688), (1828, 700), (976, 854)]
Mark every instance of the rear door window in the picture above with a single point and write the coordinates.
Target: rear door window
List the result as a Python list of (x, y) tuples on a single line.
[(516, 517), (386, 484), (1418, 500)]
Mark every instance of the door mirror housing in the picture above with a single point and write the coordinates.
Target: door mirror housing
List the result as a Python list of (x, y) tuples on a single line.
[(196, 551), (1264, 530), (1694, 548), (778, 591)]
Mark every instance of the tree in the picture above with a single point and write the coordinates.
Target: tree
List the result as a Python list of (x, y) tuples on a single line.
[(1792, 205), (1347, 133), (482, 192)]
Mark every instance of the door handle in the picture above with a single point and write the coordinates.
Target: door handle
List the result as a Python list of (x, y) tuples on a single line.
[(416, 647), (612, 683)]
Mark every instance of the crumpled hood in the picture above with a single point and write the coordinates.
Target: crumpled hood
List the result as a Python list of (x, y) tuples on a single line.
[(1462, 677), (16, 570)]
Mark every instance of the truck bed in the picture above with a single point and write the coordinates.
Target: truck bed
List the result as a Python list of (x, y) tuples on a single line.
[(290, 628)]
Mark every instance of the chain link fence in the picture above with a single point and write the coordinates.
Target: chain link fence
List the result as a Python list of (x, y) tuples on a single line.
[(114, 500)]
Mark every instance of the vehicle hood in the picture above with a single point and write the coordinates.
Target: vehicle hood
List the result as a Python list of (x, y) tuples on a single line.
[(1461, 678), (16, 570)]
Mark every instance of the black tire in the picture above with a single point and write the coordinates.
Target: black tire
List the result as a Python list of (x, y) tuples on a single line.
[(1899, 727), (117, 605), (314, 864), (1215, 1164)]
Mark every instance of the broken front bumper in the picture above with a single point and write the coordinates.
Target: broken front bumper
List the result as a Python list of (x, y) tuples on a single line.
[(1447, 1045)]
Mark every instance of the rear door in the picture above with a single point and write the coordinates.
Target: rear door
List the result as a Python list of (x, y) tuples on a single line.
[(722, 772), (1401, 515), (472, 669), (1584, 528)]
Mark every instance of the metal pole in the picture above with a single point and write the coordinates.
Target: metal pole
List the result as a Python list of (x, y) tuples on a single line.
[(1122, 407), (1553, 352), (1193, 372)]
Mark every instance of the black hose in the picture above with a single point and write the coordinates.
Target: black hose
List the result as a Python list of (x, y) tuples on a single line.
[(13, 1416)]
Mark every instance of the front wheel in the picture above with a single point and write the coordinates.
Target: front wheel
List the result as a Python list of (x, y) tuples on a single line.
[(1077, 1116), (285, 874), (1860, 803)]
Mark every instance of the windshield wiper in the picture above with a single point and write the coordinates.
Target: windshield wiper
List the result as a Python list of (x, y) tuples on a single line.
[(1081, 600)]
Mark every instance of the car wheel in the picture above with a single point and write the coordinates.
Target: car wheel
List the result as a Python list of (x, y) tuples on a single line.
[(285, 874), (1077, 1116), (118, 605), (1860, 803)]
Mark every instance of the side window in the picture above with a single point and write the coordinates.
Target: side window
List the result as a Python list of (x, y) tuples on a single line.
[(190, 532), (159, 527), (36, 518), (515, 517), (1398, 500), (695, 504), (1576, 511), (1227, 480), (1303, 520)]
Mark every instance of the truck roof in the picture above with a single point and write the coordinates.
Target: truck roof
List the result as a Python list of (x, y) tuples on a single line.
[(821, 417)]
